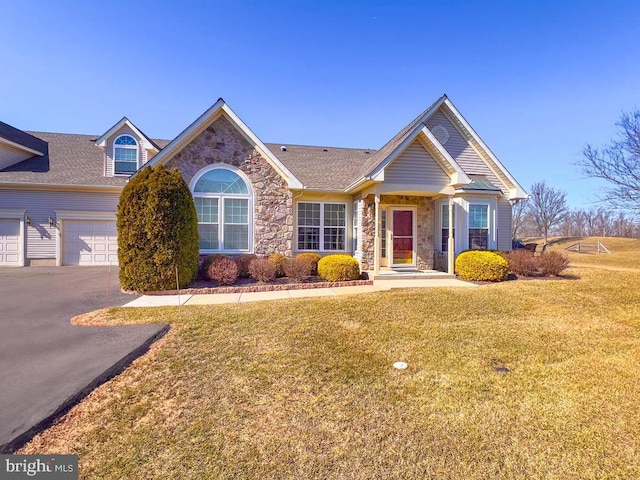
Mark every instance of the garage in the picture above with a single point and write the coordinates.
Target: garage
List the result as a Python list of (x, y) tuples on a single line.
[(89, 242), (10, 242)]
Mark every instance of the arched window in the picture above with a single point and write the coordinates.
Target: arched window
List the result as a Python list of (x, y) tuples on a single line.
[(223, 200), (125, 155)]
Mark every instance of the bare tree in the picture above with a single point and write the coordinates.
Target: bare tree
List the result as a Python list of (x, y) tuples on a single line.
[(518, 216), (618, 163), (547, 206)]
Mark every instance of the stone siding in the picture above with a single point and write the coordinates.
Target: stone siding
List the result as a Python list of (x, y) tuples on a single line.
[(221, 142), (425, 233)]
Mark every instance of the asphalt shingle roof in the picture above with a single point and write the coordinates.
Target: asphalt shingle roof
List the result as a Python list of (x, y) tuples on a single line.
[(22, 138)]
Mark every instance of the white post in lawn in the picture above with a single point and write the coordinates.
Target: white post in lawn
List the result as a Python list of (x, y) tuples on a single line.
[(376, 240), (450, 242)]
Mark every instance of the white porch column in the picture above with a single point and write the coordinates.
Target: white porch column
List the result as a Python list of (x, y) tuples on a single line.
[(376, 240), (451, 255)]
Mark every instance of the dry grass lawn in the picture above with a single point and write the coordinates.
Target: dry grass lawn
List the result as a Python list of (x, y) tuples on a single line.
[(519, 380)]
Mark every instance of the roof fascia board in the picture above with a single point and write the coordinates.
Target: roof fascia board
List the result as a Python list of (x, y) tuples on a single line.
[(59, 187), (148, 144), (21, 147), (207, 118), (459, 176), (517, 188)]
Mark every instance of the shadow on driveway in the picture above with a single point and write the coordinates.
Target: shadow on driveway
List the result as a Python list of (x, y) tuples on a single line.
[(48, 365)]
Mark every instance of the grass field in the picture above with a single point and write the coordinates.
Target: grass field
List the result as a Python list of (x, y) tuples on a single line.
[(518, 380)]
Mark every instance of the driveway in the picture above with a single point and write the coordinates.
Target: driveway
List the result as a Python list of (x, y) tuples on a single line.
[(46, 364)]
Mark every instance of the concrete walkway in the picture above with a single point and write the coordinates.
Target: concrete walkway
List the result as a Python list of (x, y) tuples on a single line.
[(220, 298)]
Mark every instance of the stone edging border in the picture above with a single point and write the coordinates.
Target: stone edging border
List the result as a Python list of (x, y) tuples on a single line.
[(258, 288)]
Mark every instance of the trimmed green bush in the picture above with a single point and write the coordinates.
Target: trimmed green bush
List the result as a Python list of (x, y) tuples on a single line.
[(481, 266), (157, 231), (313, 259), (277, 260), (338, 268)]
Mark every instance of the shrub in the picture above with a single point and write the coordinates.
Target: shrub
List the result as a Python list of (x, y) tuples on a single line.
[(157, 231), (338, 268), (522, 262), (553, 263), (313, 259), (277, 259), (262, 270), (297, 268), (481, 266), (206, 261), (243, 261), (223, 270)]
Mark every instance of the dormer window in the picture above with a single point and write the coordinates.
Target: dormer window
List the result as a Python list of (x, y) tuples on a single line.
[(125, 155)]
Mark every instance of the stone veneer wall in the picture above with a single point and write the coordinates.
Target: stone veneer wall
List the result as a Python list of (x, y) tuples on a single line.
[(221, 142), (425, 233)]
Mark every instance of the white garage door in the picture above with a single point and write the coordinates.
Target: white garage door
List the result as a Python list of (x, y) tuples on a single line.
[(9, 242), (89, 242)]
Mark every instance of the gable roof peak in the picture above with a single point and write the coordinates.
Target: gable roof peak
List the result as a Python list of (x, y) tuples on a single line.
[(147, 143)]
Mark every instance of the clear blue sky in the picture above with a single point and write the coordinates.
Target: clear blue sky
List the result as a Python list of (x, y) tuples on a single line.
[(537, 80)]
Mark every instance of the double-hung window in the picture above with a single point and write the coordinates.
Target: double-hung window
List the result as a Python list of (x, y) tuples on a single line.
[(125, 155), (223, 204), (478, 226), (322, 226)]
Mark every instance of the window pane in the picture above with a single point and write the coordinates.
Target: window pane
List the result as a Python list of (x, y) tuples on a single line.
[(478, 238), (126, 140), (221, 180), (478, 216), (308, 214), (236, 210), (334, 238), (125, 167), (207, 209), (236, 237), (208, 236), (334, 215), (309, 238), (126, 154), (444, 247)]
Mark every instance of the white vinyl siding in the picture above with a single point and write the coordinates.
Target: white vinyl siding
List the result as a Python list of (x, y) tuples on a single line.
[(504, 224), (461, 151), (415, 165), (42, 204), (10, 155), (109, 151)]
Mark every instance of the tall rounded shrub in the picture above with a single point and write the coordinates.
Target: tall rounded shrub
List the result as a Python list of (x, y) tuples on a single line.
[(157, 231), (478, 265)]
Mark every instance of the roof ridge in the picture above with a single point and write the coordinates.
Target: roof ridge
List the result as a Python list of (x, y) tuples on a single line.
[(320, 146)]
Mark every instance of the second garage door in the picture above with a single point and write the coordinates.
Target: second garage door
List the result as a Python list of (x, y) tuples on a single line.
[(9, 242), (89, 242)]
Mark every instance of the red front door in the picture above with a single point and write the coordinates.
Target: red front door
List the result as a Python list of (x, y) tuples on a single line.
[(402, 238)]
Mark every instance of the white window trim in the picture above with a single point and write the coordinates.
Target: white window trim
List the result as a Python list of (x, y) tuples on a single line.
[(461, 221), (322, 227), (130, 147), (221, 196)]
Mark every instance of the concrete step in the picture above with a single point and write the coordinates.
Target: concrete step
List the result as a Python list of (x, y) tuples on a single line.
[(410, 275)]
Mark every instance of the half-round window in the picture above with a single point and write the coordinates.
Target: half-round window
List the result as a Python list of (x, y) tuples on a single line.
[(125, 155), (224, 203)]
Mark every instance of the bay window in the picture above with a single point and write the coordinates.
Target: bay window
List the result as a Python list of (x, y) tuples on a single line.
[(478, 226)]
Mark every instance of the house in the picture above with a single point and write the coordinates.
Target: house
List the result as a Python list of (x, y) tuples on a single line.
[(434, 188)]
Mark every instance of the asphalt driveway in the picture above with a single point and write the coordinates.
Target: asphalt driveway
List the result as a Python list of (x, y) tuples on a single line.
[(46, 364)]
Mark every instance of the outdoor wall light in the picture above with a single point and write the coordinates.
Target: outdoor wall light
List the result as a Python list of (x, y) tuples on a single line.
[(52, 222), (27, 220)]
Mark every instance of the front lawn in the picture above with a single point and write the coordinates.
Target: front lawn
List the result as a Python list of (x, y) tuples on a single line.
[(536, 379)]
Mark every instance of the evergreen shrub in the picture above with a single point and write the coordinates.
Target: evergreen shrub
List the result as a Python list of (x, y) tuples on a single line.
[(475, 265), (338, 268), (157, 231)]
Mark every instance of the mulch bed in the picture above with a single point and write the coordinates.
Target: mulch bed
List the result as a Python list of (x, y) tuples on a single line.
[(247, 285)]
